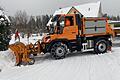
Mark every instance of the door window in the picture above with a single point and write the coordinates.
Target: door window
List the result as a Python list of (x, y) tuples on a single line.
[(69, 21)]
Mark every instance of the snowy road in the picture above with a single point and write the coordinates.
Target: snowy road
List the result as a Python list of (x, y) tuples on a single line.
[(76, 66)]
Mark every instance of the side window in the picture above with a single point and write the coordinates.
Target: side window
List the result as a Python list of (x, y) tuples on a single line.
[(78, 21), (69, 21)]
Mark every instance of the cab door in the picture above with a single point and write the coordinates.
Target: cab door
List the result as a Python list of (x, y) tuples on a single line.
[(70, 29)]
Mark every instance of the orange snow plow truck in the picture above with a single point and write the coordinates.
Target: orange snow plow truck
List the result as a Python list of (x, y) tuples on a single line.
[(68, 33)]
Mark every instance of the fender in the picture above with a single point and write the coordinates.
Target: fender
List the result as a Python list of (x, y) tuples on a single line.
[(49, 45)]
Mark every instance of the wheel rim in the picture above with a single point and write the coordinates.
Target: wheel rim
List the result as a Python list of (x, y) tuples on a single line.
[(102, 47), (60, 51), (32, 61)]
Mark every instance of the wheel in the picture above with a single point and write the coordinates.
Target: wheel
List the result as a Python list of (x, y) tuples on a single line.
[(32, 61), (59, 50), (100, 46)]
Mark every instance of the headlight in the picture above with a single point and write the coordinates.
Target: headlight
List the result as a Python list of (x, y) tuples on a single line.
[(46, 39)]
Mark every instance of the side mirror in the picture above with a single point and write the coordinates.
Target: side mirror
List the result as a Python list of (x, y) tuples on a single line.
[(62, 23), (81, 16)]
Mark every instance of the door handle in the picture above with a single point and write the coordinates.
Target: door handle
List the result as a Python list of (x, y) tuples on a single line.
[(73, 32)]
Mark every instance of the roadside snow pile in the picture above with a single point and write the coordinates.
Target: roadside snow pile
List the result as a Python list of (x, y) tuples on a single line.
[(32, 39), (6, 59)]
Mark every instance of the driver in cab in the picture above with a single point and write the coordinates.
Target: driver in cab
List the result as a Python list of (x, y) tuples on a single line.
[(67, 22)]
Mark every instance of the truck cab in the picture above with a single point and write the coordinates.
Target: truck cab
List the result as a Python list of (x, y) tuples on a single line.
[(65, 27)]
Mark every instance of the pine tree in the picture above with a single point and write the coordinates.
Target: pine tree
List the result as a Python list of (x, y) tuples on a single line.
[(4, 34)]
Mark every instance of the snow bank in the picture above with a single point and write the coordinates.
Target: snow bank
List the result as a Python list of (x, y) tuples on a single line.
[(25, 40), (6, 59)]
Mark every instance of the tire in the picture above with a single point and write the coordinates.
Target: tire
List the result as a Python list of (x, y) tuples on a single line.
[(59, 50), (100, 46), (31, 56), (32, 61)]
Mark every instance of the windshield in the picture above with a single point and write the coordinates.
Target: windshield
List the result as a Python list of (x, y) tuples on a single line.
[(57, 24), (55, 18)]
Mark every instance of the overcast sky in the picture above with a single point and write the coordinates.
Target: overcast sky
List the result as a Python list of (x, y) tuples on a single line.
[(39, 7)]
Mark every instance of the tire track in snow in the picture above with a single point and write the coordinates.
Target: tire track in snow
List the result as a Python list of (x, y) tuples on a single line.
[(52, 70), (66, 68), (106, 67), (35, 70), (83, 68), (69, 62), (115, 66), (117, 57), (111, 65), (21, 73), (78, 69), (59, 71), (114, 58), (56, 69), (41, 66), (92, 67), (98, 69), (39, 70)]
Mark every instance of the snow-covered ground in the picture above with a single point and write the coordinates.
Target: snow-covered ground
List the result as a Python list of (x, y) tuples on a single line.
[(76, 66), (32, 39)]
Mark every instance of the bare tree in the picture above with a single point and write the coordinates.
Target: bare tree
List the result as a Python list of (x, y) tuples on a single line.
[(24, 23), (21, 19), (45, 19), (31, 24), (13, 23), (39, 23)]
